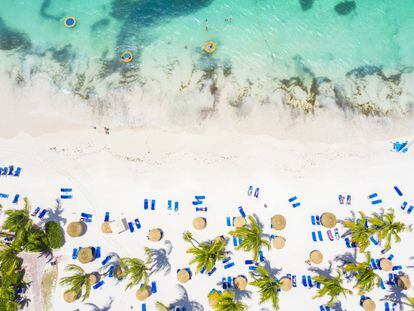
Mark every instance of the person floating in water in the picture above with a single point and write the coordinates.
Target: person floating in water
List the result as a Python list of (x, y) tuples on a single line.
[(206, 22)]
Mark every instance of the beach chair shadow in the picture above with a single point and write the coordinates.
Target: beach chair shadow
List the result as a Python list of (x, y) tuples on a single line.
[(185, 302), (106, 307), (161, 261), (324, 272)]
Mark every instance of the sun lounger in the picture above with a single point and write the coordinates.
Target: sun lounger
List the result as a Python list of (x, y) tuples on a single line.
[(66, 197), (137, 223), (230, 281), (42, 214), (320, 236), (176, 206), (17, 172), (11, 170), (37, 210), (313, 221), (228, 221), (235, 241), (16, 199), (98, 252), (169, 205), (250, 191), (252, 268), (341, 199), (106, 216), (224, 283), (391, 257), (261, 257), (131, 226), (106, 260), (294, 282), (4, 195), (410, 209), (336, 232), (318, 220), (146, 204), (348, 199), (373, 195), (396, 268), (381, 284), (75, 253), (293, 199), (398, 191), (201, 209), (314, 236), (240, 240), (99, 284), (143, 307), (373, 240), (154, 287), (391, 279), (376, 202), (212, 271), (310, 283), (111, 271), (152, 205), (86, 215), (248, 262), (385, 250), (296, 205), (330, 235), (229, 265), (242, 213), (256, 192), (225, 260), (374, 264), (304, 282)]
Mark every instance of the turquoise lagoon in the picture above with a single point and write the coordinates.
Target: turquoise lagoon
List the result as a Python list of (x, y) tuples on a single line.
[(262, 46)]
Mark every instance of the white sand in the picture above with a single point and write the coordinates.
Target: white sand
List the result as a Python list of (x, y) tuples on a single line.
[(116, 173)]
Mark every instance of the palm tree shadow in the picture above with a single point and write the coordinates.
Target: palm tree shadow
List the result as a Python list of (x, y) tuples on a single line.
[(106, 307), (347, 258), (395, 295), (55, 214), (324, 272), (273, 271), (337, 306), (241, 294), (161, 261), (185, 302), (24, 302)]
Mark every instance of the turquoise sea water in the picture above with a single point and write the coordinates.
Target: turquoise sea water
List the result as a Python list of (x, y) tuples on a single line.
[(261, 44)]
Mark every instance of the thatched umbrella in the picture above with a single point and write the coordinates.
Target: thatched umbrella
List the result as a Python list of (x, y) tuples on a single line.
[(93, 278), (241, 282), (199, 223), (239, 222), (285, 284), (143, 293), (219, 238), (278, 222), (212, 298), (155, 235), (85, 255), (118, 272), (106, 227), (70, 296), (183, 276), (76, 229), (279, 242), (316, 257), (385, 264), (368, 304), (328, 220), (403, 282)]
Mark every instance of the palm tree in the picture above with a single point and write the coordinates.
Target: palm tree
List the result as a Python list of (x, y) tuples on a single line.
[(226, 301), (136, 269), (359, 231), (268, 286), (205, 254), (161, 307), (79, 280), (20, 223), (332, 287), (387, 228), (8, 259), (8, 297), (252, 240), (366, 278)]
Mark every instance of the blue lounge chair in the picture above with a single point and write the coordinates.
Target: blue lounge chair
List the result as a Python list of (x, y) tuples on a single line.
[(391, 279), (75, 253), (373, 240), (398, 191), (320, 235), (200, 197), (17, 172), (146, 204), (111, 271), (152, 205), (42, 214), (410, 209), (382, 285), (212, 271), (296, 205), (294, 283), (169, 205), (106, 260), (304, 282), (396, 268), (176, 206), (228, 221), (65, 189), (336, 232), (314, 236), (341, 199), (313, 221), (391, 257), (250, 191), (235, 241), (385, 250), (99, 284), (261, 257), (330, 235), (98, 252), (4, 195), (376, 202), (240, 240), (224, 283), (143, 307), (242, 211), (86, 215), (131, 226), (248, 262), (11, 170), (348, 199), (318, 220), (16, 199), (229, 265), (66, 197), (201, 209), (154, 287), (293, 199), (137, 223), (106, 216), (310, 283), (225, 260), (404, 205), (374, 264), (256, 192), (348, 242), (373, 195), (252, 268), (37, 210)]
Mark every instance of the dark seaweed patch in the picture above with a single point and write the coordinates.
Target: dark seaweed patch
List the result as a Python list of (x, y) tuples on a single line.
[(11, 39), (101, 23), (345, 7), (306, 4), (45, 5), (63, 55), (363, 71)]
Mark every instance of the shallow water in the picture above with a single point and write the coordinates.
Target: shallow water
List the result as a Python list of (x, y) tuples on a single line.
[(260, 43)]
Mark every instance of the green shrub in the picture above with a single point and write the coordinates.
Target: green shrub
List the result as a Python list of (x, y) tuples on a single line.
[(54, 234)]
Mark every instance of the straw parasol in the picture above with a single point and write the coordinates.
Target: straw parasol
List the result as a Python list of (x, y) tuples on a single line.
[(93, 278), (240, 282), (239, 222), (155, 235), (76, 229), (285, 284), (278, 222), (212, 298), (183, 276), (316, 257), (219, 238), (106, 227), (368, 304), (403, 282), (328, 220), (85, 255), (118, 272), (199, 223), (279, 242), (143, 293), (70, 296), (385, 264)]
